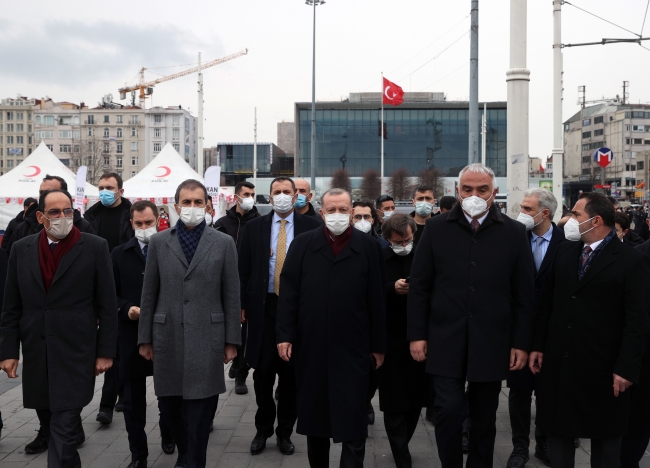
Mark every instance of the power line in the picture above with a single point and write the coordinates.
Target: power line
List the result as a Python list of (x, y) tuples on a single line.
[(644, 17), (607, 21), (446, 76)]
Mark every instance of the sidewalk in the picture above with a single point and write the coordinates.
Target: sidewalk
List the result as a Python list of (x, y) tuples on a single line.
[(107, 447)]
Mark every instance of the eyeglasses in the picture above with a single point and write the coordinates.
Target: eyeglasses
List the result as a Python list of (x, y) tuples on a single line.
[(359, 217), (54, 213)]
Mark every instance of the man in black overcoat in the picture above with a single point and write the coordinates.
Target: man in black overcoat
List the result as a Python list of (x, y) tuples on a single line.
[(262, 253), (4, 260), (470, 312), (60, 306), (590, 336), (544, 237), (331, 320)]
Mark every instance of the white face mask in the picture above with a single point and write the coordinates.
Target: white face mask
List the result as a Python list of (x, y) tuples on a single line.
[(528, 220), (572, 229), (282, 203), (474, 205), (143, 235), (192, 216), (423, 208), (363, 226), (208, 219), (60, 227), (246, 204), (388, 214), (337, 223), (402, 250)]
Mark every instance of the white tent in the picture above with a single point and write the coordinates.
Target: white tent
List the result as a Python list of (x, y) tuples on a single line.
[(25, 179)]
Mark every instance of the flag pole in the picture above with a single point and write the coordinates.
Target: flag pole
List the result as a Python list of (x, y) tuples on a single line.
[(382, 130)]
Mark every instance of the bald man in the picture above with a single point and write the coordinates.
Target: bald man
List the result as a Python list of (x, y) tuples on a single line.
[(303, 204)]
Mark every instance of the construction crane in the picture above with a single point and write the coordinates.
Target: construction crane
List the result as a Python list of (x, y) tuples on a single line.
[(146, 88)]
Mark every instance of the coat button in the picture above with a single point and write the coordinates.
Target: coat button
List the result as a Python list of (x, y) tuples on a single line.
[(573, 297), (47, 310), (471, 289), (569, 325), (474, 241), (186, 302), (187, 279), (473, 263), (470, 314), (566, 354)]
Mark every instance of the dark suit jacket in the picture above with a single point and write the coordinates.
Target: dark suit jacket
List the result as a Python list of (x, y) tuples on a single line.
[(471, 295), (62, 331), (4, 260), (254, 255), (588, 330), (128, 271)]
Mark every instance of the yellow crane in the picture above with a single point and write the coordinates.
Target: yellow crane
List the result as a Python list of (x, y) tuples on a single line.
[(146, 87)]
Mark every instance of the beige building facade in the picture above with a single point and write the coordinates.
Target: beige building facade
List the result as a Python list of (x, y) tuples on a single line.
[(16, 131)]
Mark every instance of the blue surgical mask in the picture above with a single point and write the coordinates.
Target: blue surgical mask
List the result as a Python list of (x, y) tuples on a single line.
[(107, 197), (301, 201)]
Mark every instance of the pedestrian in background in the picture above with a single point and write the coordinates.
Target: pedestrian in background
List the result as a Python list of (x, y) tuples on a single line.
[(13, 224), (423, 202)]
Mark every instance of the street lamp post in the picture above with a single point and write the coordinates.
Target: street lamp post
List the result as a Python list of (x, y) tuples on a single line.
[(315, 3)]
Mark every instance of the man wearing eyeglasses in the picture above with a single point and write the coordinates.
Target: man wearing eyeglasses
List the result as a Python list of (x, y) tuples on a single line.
[(60, 306)]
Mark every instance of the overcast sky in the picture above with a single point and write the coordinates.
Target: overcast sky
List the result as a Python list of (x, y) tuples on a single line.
[(79, 51)]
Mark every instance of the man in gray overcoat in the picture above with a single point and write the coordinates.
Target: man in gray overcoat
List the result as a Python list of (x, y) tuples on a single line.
[(190, 320)]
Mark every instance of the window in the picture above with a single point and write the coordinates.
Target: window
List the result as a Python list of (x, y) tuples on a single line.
[(646, 142), (90, 131), (585, 160), (119, 173), (156, 132), (134, 146), (134, 160), (118, 162), (106, 133), (134, 119), (29, 140), (20, 116), (598, 132), (38, 119), (637, 141), (157, 118), (586, 134), (638, 128), (586, 122), (598, 120), (20, 127), (107, 161), (76, 148), (91, 120), (10, 116), (119, 133), (10, 127), (107, 119), (65, 133), (176, 147), (65, 148), (176, 119), (176, 133), (627, 127), (29, 128), (639, 166), (133, 173), (10, 140), (10, 163), (156, 147), (119, 118), (630, 154), (586, 172), (50, 147), (107, 147), (45, 134), (76, 134), (134, 132), (118, 147), (19, 140)]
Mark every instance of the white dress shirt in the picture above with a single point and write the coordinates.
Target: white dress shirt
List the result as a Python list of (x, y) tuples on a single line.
[(480, 220), (275, 233)]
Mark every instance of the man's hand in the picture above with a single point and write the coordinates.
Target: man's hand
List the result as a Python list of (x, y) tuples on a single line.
[(401, 287), (134, 313), (10, 366), (379, 359), (146, 351), (243, 316), (620, 385), (518, 359), (229, 353), (284, 350), (535, 362), (419, 350), (102, 364)]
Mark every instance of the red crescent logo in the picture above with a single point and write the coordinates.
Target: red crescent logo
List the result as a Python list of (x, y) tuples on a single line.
[(37, 171), (167, 171)]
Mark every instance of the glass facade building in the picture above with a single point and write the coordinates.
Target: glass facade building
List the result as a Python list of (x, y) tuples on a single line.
[(417, 136), (236, 161)]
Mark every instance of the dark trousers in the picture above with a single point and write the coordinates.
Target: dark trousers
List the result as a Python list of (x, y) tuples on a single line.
[(190, 427), (605, 453), (519, 401), (399, 429), (482, 400), (44, 416), (268, 366), (135, 416), (239, 363), (64, 435), (112, 387), (636, 440), (352, 454), (373, 384), (166, 434)]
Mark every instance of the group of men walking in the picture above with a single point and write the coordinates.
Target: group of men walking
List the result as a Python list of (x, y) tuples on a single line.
[(451, 304)]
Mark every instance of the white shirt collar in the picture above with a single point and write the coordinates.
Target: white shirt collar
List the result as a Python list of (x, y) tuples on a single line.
[(142, 244), (288, 219), (50, 241), (480, 220), (547, 235), (595, 244)]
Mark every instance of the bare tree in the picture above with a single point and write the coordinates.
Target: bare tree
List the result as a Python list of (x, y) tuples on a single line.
[(434, 178), (399, 184), (370, 185), (341, 179), (95, 153)]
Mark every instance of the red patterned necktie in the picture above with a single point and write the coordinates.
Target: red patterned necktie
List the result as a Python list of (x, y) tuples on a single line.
[(475, 224), (585, 255)]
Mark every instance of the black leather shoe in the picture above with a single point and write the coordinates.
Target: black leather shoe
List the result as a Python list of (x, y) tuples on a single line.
[(138, 464), (576, 442), (119, 406), (541, 452), (371, 414), (38, 445), (285, 445), (105, 417), (431, 415), (259, 443), (168, 446), (518, 458), (240, 387), (82, 438), (465, 442), (181, 461)]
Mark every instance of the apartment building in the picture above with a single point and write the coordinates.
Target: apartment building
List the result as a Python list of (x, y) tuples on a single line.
[(173, 125), (16, 131), (57, 124)]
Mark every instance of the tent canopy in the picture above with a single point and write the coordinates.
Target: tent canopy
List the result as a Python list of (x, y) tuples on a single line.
[(161, 177)]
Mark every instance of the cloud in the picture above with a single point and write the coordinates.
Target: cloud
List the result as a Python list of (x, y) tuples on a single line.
[(69, 53)]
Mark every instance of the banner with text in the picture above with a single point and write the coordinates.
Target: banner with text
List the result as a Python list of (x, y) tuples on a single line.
[(81, 188), (212, 180)]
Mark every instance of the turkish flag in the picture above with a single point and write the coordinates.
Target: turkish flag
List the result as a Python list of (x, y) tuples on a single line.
[(393, 94)]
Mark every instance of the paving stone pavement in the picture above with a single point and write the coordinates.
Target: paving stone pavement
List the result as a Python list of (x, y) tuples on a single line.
[(107, 447)]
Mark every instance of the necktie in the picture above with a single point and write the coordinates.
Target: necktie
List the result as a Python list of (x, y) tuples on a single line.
[(144, 251), (475, 224), (538, 257), (280, 254), (53, 246), (585, 255)]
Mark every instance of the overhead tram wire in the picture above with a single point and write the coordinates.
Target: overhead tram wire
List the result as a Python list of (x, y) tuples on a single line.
[(446, 76), (644, 18), (601, 18)]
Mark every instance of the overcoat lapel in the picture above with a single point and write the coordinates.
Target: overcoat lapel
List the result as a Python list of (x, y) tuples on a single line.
[(68, 259), (175, 247), (266, 237), (320, 243), (604, 258), (34, 261), (205, 242)]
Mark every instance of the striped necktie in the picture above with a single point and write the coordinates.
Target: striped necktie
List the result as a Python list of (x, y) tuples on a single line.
[(281, 253)]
